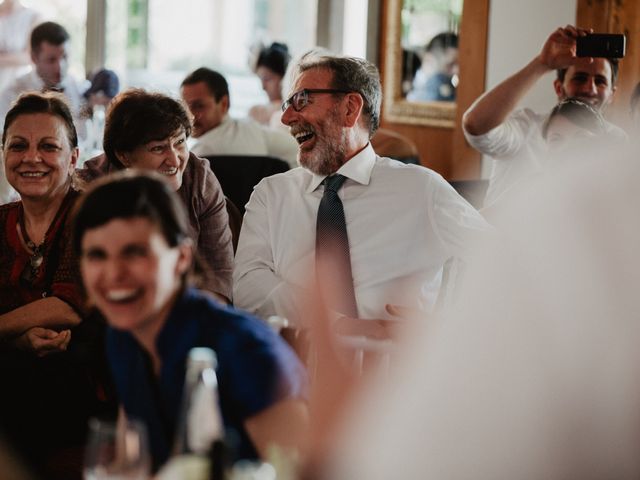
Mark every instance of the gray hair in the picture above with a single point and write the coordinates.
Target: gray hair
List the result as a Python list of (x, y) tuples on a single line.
[(353, 74)]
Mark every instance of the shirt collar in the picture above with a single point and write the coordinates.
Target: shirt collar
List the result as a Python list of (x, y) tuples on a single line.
[(39, 83), (357, 168)]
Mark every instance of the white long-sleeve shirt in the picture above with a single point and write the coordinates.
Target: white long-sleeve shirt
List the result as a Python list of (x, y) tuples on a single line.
[(403, 223), (246, 137)]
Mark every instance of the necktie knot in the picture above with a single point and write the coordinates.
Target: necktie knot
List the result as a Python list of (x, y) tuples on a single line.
[(334, 182)]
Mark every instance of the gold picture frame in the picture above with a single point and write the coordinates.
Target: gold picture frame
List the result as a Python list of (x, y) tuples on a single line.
[(397, 109)]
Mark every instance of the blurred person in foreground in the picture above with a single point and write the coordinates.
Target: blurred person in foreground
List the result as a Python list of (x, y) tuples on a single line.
[(149, 131), (512, 137), (401, 222), (136, 257), (634, 107), (49, 390), (534, 373)]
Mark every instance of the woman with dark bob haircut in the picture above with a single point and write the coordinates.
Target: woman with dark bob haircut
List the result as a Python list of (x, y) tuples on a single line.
[(149, 131), (135, 256), (48, 393)]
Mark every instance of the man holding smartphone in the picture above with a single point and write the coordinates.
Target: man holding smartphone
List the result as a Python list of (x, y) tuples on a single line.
[(514, 138)]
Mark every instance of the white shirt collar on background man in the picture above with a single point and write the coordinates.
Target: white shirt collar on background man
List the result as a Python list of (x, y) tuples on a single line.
[(31, 81)]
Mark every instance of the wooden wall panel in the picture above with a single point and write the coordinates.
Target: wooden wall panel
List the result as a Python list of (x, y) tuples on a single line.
[(465, 163)]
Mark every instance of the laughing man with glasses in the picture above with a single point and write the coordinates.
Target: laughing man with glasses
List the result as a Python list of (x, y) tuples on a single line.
[(402, 221)]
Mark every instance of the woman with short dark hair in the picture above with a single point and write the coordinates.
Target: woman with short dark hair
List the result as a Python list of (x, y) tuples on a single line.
[(149, 131), (136, 255), (271, 66)]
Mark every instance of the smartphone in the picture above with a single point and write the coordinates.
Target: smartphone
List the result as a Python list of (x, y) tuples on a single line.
[(609, 45)]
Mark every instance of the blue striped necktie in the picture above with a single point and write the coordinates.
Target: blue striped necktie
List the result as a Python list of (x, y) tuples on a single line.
[(332, 246)]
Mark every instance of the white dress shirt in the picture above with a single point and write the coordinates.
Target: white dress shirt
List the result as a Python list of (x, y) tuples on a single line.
[(403, 222), (246, 137), (31, 81)]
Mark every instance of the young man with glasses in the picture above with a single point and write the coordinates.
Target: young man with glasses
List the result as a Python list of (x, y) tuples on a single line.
[(390, 227)]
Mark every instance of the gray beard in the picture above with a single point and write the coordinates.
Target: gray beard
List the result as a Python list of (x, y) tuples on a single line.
[(328, 156)]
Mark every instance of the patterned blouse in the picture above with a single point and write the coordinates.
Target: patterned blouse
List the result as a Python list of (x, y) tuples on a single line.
[(22, 280)]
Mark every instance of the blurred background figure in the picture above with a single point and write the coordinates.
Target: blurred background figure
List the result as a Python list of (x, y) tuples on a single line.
[(16, 23), (410, 65), (437, 78), (105, 85), (271, 66)]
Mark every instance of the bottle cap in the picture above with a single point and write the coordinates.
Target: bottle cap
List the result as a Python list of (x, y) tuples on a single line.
[(203, 355)]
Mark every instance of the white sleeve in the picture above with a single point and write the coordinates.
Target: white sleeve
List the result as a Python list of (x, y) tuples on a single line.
[(457, 223), (507, 139), (257, 287)]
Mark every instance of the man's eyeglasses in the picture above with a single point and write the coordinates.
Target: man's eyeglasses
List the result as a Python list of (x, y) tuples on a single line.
[(300, 99)]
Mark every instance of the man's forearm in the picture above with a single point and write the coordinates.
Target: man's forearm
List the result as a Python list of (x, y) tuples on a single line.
[(494, 106)]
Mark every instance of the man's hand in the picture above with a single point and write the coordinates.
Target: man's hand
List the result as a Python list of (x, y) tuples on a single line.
[(43, 341), (559, 51)]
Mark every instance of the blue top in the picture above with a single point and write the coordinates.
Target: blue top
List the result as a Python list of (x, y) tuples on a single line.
[(438, 87), (256, 369)]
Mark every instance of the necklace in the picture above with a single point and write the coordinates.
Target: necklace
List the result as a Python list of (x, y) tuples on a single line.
[(32, 269)]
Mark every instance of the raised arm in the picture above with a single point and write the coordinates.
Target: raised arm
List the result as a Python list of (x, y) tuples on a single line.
[(494, 106)]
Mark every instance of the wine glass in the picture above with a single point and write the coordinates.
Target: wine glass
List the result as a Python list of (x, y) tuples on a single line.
[(117, 451)]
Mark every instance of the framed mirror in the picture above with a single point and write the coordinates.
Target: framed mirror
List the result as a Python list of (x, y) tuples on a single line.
[(421, 61)]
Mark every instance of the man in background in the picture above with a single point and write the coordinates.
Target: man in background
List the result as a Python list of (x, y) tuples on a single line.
[(206, 93), (514, 138), (50, 58)]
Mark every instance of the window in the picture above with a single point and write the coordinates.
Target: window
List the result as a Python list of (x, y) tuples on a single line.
[(155, 43)]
